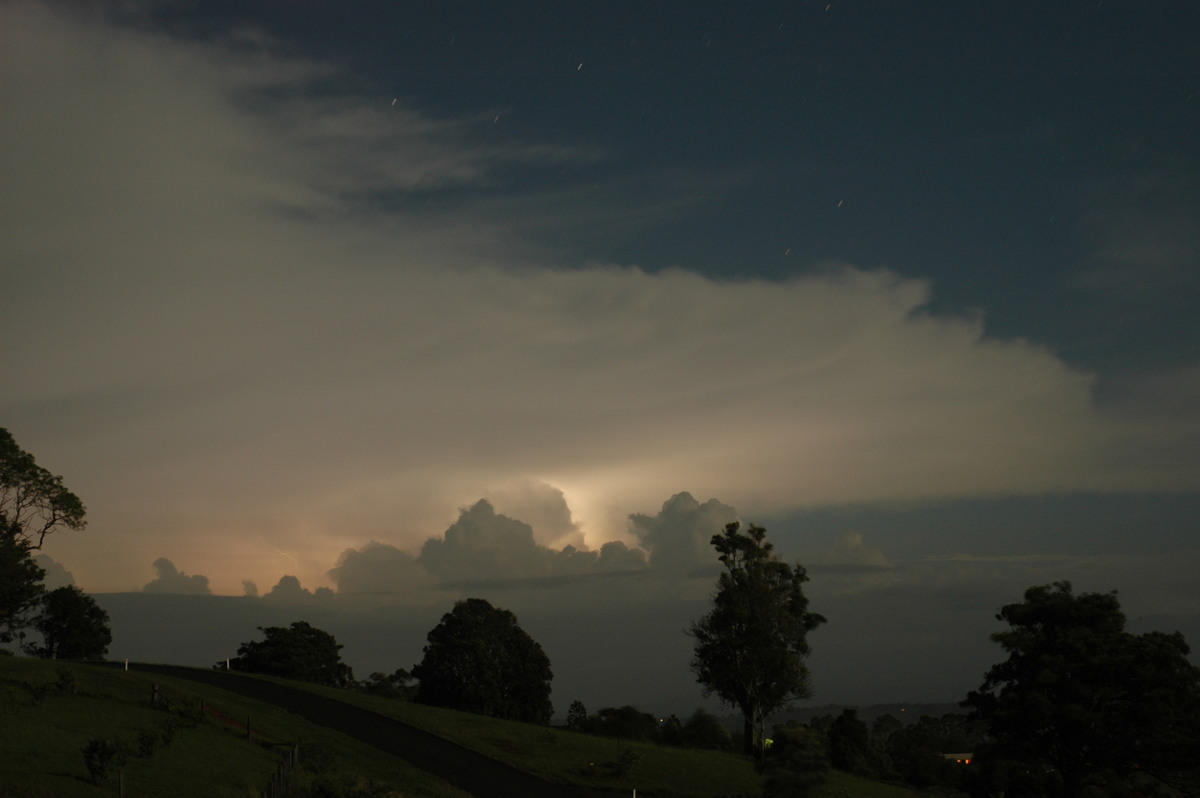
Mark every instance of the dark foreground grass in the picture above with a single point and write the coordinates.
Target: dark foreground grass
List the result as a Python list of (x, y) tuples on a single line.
[(562, 756), (566, 757), (50, 712)]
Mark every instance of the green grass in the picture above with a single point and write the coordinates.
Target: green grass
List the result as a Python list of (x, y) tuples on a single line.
[(562, 756), (843, 785), (52, 710)]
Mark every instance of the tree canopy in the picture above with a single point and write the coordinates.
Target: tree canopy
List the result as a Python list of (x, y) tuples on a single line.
[(1088, 701), (33, 502), (20, 587), (72, 626), (299, 651), (479, 659), (752, 645)]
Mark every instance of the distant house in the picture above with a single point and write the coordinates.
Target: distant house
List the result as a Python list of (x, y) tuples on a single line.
[(962, 759)]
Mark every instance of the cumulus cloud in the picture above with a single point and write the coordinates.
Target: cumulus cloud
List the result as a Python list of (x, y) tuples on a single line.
[(171, 580), (288, 590), (482, 544), (679, 537), (362, 363), (849, 554), (379, 568), (56, 575), (543, 507), (483, 547), (611, 558)]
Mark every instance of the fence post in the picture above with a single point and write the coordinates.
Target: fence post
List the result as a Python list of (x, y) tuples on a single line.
[(154, 695)]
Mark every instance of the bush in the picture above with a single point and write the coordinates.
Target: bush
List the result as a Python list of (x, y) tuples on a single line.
[(627, 722), (796, 762), (99, 755), (704, 730)]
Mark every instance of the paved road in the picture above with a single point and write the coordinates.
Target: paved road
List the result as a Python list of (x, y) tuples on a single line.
[(465, 769)]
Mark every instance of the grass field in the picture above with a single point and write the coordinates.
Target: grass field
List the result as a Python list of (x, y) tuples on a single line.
[(558, 755), (193, 741), (51, 711)]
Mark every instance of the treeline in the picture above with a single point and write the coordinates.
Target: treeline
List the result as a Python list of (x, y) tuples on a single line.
[(477, 659), (888, 750), (700, 730)]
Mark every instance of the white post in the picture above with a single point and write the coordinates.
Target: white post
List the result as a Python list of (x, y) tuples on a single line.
[(126, 664)]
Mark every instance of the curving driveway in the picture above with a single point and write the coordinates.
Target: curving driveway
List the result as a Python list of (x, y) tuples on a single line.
[(469, 771)]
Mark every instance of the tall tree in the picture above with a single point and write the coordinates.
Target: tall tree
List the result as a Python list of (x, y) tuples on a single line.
[(479, 659), (1087, 700), (577, 715), (299, 651), (752, 645), (72, 626), (33, 502), (20, 587)]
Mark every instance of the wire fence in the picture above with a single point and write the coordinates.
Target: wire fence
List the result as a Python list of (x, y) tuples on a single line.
[(281, 784)]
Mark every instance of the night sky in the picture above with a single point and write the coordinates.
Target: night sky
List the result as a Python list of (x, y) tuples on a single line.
[(345, 311)]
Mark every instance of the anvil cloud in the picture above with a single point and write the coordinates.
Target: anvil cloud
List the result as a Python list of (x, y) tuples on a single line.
[(269, 324)]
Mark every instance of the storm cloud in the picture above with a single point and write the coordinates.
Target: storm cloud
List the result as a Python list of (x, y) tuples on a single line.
[(171, 580), (311, 336), (679, 537)]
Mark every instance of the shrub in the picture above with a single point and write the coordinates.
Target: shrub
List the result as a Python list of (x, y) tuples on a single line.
[(99, 755)]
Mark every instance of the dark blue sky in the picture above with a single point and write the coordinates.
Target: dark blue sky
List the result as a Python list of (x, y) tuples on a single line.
[(1010, 152), (288, 288)]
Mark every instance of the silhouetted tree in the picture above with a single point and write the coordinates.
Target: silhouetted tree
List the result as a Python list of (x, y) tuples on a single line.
[(299, 651), (21, 588), (670, 731), (72, 626), (390, 685), (627, 722), (849, 745), (916, 753), (479, 659), (33, 502), (1082, 700), (704, 730), (883, 729), (577, 716), (796, 762), (751, 646)]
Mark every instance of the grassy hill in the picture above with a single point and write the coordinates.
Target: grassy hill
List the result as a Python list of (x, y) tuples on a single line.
[(52, 711), (558, 755), (189, 739)]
